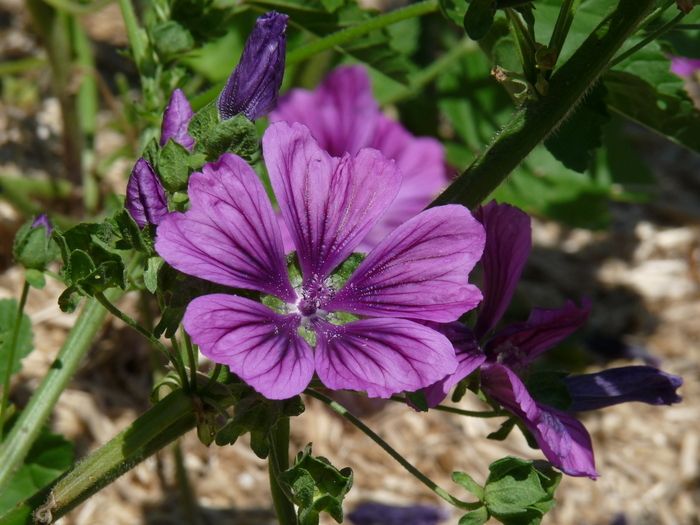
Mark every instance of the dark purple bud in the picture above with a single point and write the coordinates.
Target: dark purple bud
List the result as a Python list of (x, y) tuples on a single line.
[(145, 196), (176, 119), (43, 221), (645, 384), (253, 86), (371, 513)]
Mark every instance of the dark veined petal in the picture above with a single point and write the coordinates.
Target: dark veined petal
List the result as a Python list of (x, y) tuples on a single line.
[(341, 113), (420, 270), (258, 345), (230, 234), (329, 204), (254, 85), (176, 120), (543, 329), (645, 384), (469, 358), (508, 245), (381, 356), (145, 197), (564, 440)]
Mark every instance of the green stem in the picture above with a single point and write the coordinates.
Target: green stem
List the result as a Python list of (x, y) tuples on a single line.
[(11, 357), (532, 124), (188, 499), (525, 45), (75, 8), (563, 25), (179, 364), (335, 40), (647, 40), (278, 462), (133, 33), (340, 409), (455, 410), (22, 65), (192, 359), (27, 427)]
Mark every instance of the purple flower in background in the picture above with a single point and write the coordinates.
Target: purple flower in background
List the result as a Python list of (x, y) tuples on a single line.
[(176, 119), (43, 221), (254, 85), (344, 117), (645, 384), (502, 356), (371, 513), (231, 236), (685, 67), (145, 197)]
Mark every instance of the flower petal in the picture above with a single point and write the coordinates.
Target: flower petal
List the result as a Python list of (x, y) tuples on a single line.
[(145, 197), (543, 329), (230, 234), (421, 160), (176, 120), (508, 245), (329, 204), (341, 113), (564, 440), (258, 345), (419, 271), (645, 384), (381, 356), (469, 358)]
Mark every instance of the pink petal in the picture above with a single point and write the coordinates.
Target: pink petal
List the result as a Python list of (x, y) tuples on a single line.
[(508, 245), (329, 204), (258, 345), (230, 234), (381, 356), (543, 329), (176, 120), (420, 271), (341, 113)]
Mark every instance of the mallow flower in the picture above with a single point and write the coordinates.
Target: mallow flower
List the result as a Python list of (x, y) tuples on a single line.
[(367, 333), (503, 356), (344, 117)]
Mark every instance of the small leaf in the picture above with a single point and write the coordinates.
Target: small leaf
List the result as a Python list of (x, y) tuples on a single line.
[(171, 39), (237, 135), (173, 166), (150, 276), (35, 278), (466, 481), (475, 517), (505, 429), (479, 18), (202, 123), (23, 346)]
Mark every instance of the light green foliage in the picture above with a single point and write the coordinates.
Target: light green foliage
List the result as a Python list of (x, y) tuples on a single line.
[(8, 318), (33, 248)]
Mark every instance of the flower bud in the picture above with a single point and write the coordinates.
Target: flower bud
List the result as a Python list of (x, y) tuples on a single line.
[(176, 119), (33, 246), (253, 86), (145, 197)]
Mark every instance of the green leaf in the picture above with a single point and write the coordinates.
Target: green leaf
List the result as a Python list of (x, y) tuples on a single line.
[(475, 517), (49, 456), (150, 276), (131, 235), (173, 166), (317, 486), (479, 18), (35, 278), (466, 481), (581, 134), (8, 317), (237, 135), (202, 123), (171, 39)]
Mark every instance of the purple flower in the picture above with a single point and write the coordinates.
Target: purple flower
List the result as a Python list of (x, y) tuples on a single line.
[(254, 85), (43, 221), (370, 513), (503, 355), (176, 119), (231, 236), (344, 117), (145, 196), (685, 67), (645, 384)]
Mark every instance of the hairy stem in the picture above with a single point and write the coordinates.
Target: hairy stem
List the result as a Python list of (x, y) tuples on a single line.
[(133, 33), (11, 357), (340, 409), (278, 462), (533, 123)]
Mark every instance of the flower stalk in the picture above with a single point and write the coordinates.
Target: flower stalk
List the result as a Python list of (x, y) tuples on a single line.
[(278, 462)]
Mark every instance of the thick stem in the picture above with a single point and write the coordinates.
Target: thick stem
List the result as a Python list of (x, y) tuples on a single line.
[(11, 357), (278, 461), (27, 427), (532, 124), (340, 409)]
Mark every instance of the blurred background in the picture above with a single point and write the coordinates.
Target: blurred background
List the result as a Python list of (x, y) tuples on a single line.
[(624, 231)]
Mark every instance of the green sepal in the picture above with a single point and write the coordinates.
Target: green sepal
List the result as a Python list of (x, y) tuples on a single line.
[(131, 235), (418, 400), (150, 276), (505, 429), (475, 517), (35, 278), (202, 123), (173, 166), (150, 152), (317, 486), (466, 481), (33, 248), (236, 135)]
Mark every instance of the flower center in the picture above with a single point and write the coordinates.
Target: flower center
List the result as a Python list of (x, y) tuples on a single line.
[(313, 295), (307, 307)]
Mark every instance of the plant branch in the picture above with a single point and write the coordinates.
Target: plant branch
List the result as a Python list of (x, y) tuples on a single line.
[(647, 39), (133, 33), (531, 124), (340, 409), (278, 462)]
